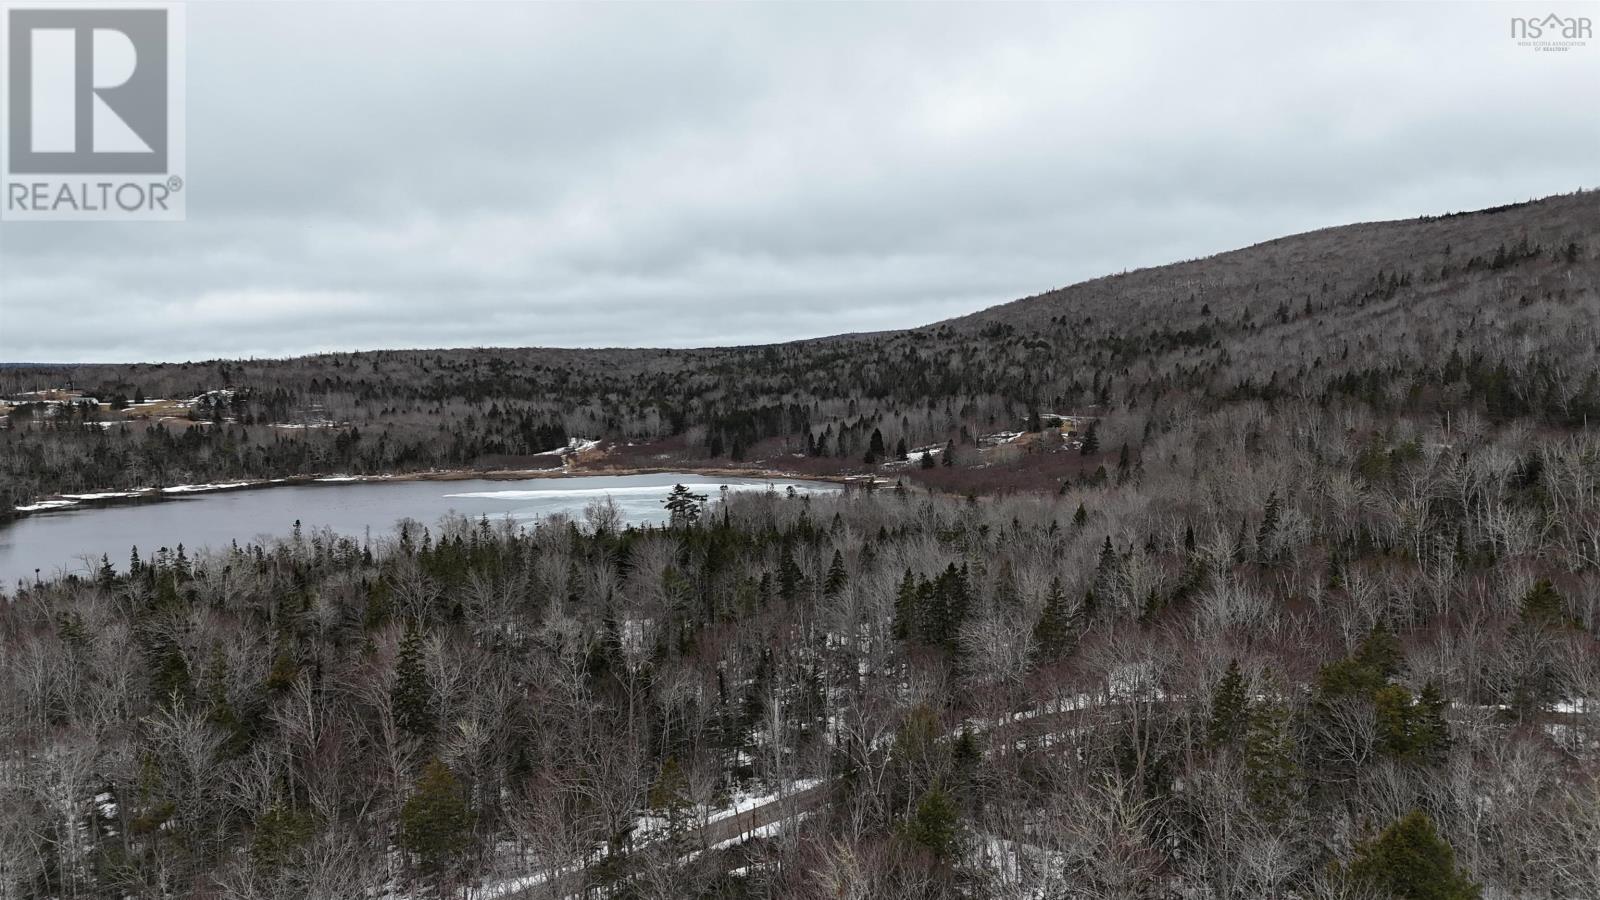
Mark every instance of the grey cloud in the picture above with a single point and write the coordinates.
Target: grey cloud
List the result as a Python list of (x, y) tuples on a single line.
[(417, 175)]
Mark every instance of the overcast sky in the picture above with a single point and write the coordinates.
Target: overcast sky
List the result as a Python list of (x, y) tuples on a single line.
[(429, 175)]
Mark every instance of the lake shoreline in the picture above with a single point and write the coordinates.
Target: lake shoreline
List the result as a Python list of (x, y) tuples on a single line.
[(99, 499), (111, 525)]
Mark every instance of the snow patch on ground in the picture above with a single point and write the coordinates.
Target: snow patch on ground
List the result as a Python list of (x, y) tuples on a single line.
[(998, 438), (574, 445), (1021, 871), (511, 886), (914, 457)]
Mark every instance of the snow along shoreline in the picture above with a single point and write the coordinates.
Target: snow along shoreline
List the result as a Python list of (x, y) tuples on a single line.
[(70, 501), (67, 501)]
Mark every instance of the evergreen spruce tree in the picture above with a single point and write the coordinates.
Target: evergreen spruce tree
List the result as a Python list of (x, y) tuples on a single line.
[(279, 832), (1363, 673), (219, 711), (789, 576), (1053, 634), (1230, 709), (1394, 712), (935, 825), (1268, 530), (106, 576), (1410, 861), (942, 607), (1091, 439), (683, 506), (1543, 606), (170, 681), (959, 603), (1380, 653), (836, 576), (938, 618), (949, 453), (1081, 517), (874, 448), (905, 608), (411, 695), (435, 823), (1413, 731), (1091, 604), (1431, 729), (1106, 571), (669, 797), (1270, 772), (966, 757)]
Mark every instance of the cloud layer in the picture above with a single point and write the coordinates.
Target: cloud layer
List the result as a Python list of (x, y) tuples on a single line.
[(419, 175)]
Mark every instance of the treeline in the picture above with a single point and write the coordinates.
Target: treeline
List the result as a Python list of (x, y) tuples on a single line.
[(78, 453), (1288, 652), (1496, 314)]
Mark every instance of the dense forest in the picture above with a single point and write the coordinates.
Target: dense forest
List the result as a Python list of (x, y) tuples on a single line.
[(1335, 665), (1491, 312), (1310, 609)]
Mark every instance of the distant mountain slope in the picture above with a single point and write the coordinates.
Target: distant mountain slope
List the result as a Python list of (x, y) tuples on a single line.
[(1496, 311), (1335, 260), (1415, 289)]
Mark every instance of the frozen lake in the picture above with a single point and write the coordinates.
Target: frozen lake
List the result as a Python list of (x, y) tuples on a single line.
[(60, 541)]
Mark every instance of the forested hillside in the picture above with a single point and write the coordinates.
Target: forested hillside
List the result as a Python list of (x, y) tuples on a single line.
[(1305, 606), (1331, 666), (1492, 313)]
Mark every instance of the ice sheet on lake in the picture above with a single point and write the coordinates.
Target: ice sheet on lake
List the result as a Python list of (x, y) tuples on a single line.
[(710, 489)]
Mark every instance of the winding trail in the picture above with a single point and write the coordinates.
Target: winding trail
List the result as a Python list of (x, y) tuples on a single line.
[(1030, 725)]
